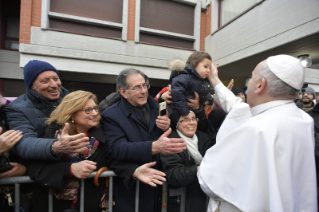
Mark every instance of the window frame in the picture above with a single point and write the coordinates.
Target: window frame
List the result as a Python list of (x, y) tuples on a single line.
[(197, 25), (4, 36), (216, 15), (46, 14)]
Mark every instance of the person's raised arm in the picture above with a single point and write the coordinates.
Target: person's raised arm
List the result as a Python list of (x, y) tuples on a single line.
[(31, 146), (213, 75), (224, 97)]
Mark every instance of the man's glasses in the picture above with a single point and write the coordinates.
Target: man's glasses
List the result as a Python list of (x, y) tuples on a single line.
[(89, 109), (139, 87), (187, 120)]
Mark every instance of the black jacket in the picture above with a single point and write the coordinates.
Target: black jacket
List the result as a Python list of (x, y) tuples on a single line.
[(54, 174), (181, 171), (184, 84), (315, 115), (28, 114), (130, 140)]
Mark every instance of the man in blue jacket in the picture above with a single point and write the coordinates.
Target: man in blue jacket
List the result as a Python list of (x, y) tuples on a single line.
[(135, 133), (29, 112)]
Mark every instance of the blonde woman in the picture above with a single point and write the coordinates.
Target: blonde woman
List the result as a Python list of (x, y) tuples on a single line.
[(77, 113)]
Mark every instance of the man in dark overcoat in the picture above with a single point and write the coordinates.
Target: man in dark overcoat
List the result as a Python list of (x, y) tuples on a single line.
[(135, 133)]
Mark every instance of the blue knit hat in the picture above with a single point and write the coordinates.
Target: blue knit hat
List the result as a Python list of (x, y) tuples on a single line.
[(35, 67)]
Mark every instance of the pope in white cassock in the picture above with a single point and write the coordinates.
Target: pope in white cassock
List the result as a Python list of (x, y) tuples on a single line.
[(263, 159)]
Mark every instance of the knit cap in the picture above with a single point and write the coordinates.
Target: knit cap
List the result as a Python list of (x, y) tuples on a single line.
[(35, 67), (237, 90), (311, 90)]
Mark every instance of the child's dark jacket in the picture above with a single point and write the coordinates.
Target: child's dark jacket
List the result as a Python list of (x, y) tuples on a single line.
[(184, 83)]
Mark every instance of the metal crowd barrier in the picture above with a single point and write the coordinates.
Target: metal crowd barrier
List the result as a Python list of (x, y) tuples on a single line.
[(25, 179)]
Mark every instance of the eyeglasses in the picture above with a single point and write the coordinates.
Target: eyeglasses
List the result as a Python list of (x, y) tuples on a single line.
[(139, 87), (189, 120), (89, 109)]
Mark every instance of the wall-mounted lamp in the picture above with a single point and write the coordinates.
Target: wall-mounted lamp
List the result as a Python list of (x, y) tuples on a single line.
[(305, 60)]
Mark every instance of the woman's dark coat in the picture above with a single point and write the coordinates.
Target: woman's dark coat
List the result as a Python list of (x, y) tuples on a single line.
[(184, 84), (54, 174), (181, 171)]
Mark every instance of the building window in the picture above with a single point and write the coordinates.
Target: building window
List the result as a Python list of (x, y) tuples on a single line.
[(168, 23), (101, 18), (10, 25), (231, 9)]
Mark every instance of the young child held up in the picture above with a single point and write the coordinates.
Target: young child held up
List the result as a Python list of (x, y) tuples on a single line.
[(187, 78)]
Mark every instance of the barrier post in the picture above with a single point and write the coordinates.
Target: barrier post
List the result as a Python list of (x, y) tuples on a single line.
[(164, 197), (17, 197), (137, 195), (50, 209), (110, 194)]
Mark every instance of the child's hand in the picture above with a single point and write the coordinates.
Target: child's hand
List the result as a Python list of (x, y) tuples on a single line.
[(166, 96)]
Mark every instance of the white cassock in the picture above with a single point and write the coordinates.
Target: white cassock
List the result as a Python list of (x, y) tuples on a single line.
[(263, 159)]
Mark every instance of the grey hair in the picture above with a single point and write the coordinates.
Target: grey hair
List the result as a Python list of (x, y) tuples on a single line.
[(275, 86), (121, 79)]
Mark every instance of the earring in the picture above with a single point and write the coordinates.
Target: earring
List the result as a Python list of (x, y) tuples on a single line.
[(72, 121)]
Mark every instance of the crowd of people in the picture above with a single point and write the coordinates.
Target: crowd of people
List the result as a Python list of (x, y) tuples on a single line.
[(230, 150)]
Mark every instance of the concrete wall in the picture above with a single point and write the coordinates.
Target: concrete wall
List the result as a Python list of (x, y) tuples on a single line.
[(86, 54), (9, 65), (312, 77), (270, 24)]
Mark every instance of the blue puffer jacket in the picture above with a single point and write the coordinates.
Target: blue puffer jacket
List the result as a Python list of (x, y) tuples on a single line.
[(28, 114), (184, 84)]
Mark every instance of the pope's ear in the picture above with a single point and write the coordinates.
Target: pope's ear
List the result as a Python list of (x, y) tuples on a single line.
[(123, 93), (261, 86)]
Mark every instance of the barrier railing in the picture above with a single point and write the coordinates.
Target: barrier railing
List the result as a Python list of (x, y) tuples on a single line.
[(25, 179)]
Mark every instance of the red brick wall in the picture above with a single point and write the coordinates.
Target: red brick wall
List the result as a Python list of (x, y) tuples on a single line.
[(208, 20), (25, 21), (30, 15), (202, 30), (36, 13), (205, 26), (131, 20)]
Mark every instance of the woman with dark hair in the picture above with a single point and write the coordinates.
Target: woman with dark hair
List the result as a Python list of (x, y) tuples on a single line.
[(181, 169)]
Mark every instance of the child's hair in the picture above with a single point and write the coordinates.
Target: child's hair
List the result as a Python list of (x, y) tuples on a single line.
[(197, 57)]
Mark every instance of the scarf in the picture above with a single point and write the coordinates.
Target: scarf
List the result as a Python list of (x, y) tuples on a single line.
[(46, 106), (72, 187), (192, 146)]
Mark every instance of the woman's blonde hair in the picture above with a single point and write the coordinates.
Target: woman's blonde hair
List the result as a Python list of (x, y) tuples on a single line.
[(70, 104)]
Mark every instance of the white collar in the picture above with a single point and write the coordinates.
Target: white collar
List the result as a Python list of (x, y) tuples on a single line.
[(268, 105)]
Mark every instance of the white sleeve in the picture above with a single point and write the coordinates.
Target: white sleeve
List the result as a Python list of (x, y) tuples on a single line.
[(204, 186), (225, 98)]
